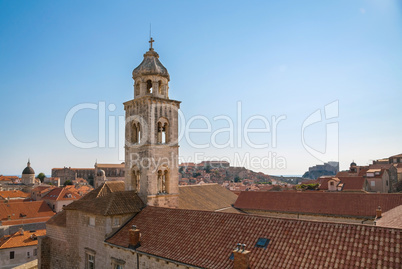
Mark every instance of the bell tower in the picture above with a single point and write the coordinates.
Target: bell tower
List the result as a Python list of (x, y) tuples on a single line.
[(151, 146)]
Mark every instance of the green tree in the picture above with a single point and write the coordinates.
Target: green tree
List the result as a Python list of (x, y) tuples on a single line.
[(181, 170), (68, 182), (237, 179), (41, 176), (208, 169)]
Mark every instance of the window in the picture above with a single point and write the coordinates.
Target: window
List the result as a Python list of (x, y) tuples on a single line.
[(11, 255), (91, 221), (90, 261), (116, 221), (117, 263), (135, 133), (163, 131), (372, 183), (149, 86), (35, 252), (28, 254), (163, 181), (262, 242)]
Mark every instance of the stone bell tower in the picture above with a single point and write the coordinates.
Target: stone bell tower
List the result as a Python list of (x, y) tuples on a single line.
[(151, 149)]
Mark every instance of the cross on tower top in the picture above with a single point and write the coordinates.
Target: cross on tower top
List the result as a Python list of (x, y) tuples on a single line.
[(150, 42)]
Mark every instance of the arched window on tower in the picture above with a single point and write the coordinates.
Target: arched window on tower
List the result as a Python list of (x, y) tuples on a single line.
[(136, 133), (163, 180), (163, 131), (135, 179), (149, 86)]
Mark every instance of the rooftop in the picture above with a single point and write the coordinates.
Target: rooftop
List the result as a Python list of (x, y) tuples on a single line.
[(62, 194), (323, 203), (206, 239), (208, 197), (392, 218), (24, 212), (108, 199), (14, 194), (28, 238)]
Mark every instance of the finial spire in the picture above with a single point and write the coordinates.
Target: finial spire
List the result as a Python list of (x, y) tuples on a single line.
[(29, 162)]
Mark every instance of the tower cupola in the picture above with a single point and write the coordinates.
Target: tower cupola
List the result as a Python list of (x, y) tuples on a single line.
[(151, 77)]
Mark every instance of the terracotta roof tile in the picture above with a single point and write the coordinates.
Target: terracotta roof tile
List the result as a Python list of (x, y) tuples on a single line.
[(17, 240), (14, 194), (352, 183), (208, 197), (8, 178), (59, 219), (108, 199), (207, 239), (60, 194), (26, 212), (338, 203), (392, 218)]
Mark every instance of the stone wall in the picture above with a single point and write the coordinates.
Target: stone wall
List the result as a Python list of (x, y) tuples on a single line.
[(130, 258), (20, 256)]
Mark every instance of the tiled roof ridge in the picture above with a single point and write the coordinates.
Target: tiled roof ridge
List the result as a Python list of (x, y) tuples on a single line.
[(110, 202), (277, 218), (198, 185)]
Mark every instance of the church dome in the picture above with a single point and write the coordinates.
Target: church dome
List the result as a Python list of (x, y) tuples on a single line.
[(151, 66), (28, 170), (100, 173), (353, 164)]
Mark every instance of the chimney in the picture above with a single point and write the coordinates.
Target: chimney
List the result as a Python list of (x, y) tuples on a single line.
[(134, 237), (241, 257), (21, 230), (378, 212)]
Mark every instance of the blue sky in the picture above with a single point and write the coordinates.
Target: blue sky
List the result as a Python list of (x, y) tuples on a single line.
[(277, 58)]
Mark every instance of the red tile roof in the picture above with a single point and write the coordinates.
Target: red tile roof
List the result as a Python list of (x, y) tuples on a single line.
[(208, 197), (26, 212), (8, 178), (207, 239), (14, 194), (17, 240), (108, 199), (391, 218), (352, 183), (62, 194), (337, 203)]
